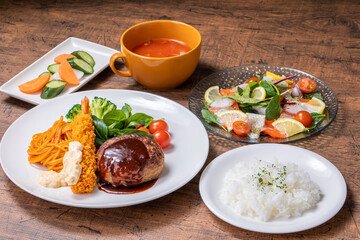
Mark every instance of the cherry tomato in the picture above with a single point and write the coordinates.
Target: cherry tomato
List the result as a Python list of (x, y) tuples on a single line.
[(158, 125), (241, 127), (162, 138), (306, 85), (304, 117), (253, 79), (144, 129)]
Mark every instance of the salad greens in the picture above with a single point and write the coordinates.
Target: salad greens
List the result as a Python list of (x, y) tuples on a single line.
[(210, 117), (273, 100), (270, 91), (273, 109), (313, 94), (111, 122)]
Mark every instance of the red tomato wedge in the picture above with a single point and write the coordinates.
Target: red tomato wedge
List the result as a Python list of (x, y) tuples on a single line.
[(35, 85)]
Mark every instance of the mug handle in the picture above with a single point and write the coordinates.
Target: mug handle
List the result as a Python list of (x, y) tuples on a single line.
[(112, 64)]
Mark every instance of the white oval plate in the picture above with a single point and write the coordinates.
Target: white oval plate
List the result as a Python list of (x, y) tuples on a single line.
[(321, 171), (183, 158), (100, 53)]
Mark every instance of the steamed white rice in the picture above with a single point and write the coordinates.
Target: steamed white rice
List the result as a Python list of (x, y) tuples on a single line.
[(269, 190)]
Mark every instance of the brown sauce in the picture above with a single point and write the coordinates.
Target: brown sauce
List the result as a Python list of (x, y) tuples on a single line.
[(128, 189), (124, 162)]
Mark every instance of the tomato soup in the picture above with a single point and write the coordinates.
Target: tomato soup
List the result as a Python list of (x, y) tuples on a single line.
[(162, 47)]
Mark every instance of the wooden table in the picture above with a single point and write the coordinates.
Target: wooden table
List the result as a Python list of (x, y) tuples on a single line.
[(318, 37)]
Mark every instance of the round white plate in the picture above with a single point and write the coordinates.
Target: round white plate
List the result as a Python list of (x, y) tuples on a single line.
[(183, 158), (321, 171)]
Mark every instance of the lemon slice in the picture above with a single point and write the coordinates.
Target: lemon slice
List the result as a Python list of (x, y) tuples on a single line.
[(212, 94), (228, 117), (315, 105), (259, 93), (289, 126)]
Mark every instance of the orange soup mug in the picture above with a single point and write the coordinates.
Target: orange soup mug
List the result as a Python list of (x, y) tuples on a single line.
[(158, 72)]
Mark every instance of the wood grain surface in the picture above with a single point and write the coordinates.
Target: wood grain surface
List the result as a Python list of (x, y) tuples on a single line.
[(319, 37)]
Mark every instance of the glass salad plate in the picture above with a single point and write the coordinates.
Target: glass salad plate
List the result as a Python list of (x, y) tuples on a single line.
[(184, 158), (234, 76)]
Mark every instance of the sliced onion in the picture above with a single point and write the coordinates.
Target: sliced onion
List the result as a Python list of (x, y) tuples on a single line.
[(296, 92)]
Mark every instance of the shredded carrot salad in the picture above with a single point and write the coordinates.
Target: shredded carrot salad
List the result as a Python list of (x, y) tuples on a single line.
[(48, 148)]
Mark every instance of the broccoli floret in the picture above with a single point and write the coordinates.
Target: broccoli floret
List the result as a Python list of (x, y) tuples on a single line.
[(100, 106), (75, 110)]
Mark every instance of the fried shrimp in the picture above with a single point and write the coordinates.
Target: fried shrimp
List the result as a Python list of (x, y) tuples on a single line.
[(83, 132)]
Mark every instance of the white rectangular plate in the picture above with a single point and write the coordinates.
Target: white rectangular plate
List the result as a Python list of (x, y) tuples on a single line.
[(101, 55)]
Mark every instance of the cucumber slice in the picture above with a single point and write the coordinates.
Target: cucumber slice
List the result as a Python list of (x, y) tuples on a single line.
[(84, 56), (44, 73), (53, 68), (52, 89), (81, 65)]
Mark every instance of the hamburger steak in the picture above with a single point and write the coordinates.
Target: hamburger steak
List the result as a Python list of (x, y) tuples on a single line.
[(130, 159)]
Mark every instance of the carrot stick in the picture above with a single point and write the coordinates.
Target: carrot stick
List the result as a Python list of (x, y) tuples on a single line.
[(63, 57), (67, 73), (35, 85), (274, 133)]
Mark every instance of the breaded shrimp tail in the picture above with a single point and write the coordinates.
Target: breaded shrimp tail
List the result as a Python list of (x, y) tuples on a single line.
[(83, 132)]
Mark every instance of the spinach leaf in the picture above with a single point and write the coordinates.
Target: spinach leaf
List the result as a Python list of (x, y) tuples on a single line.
[(114, 118), (247, 108), (137, 119), (127, 110), (240, 91), (244, 96), (261, 104), (270, 91), (273, 109), (249, 88), (209, 117), (313, 94), (120, 132), (101, 130)]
